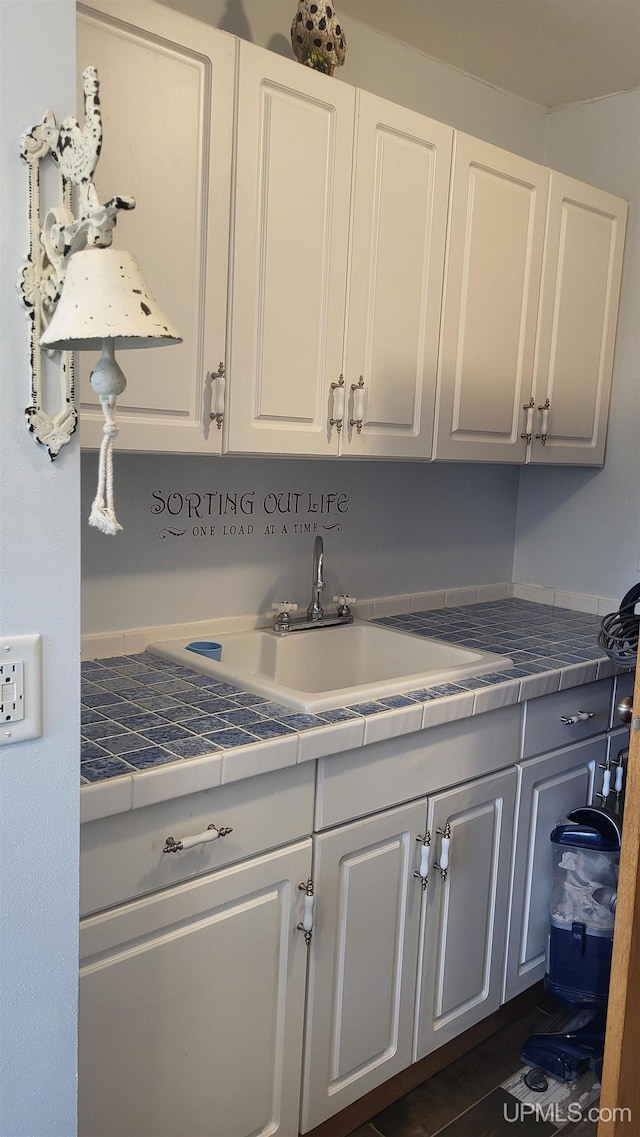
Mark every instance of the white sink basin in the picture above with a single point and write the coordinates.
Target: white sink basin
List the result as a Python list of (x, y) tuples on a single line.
[(331, 667)]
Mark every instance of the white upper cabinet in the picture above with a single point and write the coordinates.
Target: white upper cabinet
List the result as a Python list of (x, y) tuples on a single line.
[(492, 280), (577, 322), (389, 288), (167, 89), (398, 232), (291, 235), (321, 224)]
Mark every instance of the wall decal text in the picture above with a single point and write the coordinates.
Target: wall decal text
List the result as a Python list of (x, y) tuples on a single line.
[(314, 511)]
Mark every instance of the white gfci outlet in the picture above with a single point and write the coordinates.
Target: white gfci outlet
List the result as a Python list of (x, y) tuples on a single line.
[(12, 692), (20, 688)]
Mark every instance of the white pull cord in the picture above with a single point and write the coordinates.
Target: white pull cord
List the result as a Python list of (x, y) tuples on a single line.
[(103, 515), (108, 381)]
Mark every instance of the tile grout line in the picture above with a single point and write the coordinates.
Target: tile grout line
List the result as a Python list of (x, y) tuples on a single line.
[(452, 1121)]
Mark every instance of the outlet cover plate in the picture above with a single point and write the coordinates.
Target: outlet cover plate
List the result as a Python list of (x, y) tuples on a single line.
[(21, 680)]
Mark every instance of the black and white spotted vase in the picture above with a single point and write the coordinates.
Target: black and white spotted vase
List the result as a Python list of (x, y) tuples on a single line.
[(317, 36)]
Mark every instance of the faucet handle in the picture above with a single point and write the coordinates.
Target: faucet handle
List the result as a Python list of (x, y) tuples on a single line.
[(282, 621), (284, 606), (344, 601)]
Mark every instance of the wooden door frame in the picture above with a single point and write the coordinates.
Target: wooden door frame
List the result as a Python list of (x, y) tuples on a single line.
[(621, 1072)]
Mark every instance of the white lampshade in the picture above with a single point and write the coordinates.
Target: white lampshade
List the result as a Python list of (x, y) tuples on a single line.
[(104, 297)]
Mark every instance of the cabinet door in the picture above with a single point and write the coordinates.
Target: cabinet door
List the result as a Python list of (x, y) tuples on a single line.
[(577, 321), (464, 920), (549, 788), (363, 959), (399, 219), (293, 178), (191, 1006), (494, 258), (166, 87)]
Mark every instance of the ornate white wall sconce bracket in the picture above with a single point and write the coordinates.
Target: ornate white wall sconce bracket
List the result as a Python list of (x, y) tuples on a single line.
[(80, 293), (74, 150)]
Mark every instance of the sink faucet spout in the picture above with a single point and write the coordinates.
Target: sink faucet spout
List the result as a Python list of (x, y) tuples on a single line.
[(315, 610)]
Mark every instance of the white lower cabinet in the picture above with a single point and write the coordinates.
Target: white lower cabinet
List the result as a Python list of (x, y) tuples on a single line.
[(362, 966), (203, 1011), (192, 1003), (465, 915), (549, 787), (396, 970)]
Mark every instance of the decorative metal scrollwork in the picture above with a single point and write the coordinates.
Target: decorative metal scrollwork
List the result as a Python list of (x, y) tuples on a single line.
[(75, 150)]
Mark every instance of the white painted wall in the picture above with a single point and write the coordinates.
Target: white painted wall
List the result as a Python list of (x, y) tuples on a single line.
[(580, 529), (39, 592)]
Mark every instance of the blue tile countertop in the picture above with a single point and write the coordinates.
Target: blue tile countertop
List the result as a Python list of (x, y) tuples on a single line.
[(152, 730)]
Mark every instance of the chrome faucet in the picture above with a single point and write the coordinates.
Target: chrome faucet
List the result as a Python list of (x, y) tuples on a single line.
[(315, 616), (315, 610)]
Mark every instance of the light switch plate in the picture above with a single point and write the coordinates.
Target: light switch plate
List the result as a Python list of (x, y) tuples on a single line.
[(20, 688)]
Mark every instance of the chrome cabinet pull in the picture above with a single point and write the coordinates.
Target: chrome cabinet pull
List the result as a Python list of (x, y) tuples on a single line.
[(544, 422), (422, 874), (338, 404), (306, 923), (218, 387), (528, 408), (358, 404), (211, 833), (579, 716), (445, 846)]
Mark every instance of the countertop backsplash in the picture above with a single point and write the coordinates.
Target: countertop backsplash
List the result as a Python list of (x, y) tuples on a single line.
[(99, 645)]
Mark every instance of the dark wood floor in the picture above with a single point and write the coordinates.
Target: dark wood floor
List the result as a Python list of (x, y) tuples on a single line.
[(466, 1099)]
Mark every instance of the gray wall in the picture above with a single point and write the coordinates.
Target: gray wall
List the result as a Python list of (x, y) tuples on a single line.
[(395, 527), (390, 69), (580, 529), (39, 592)]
